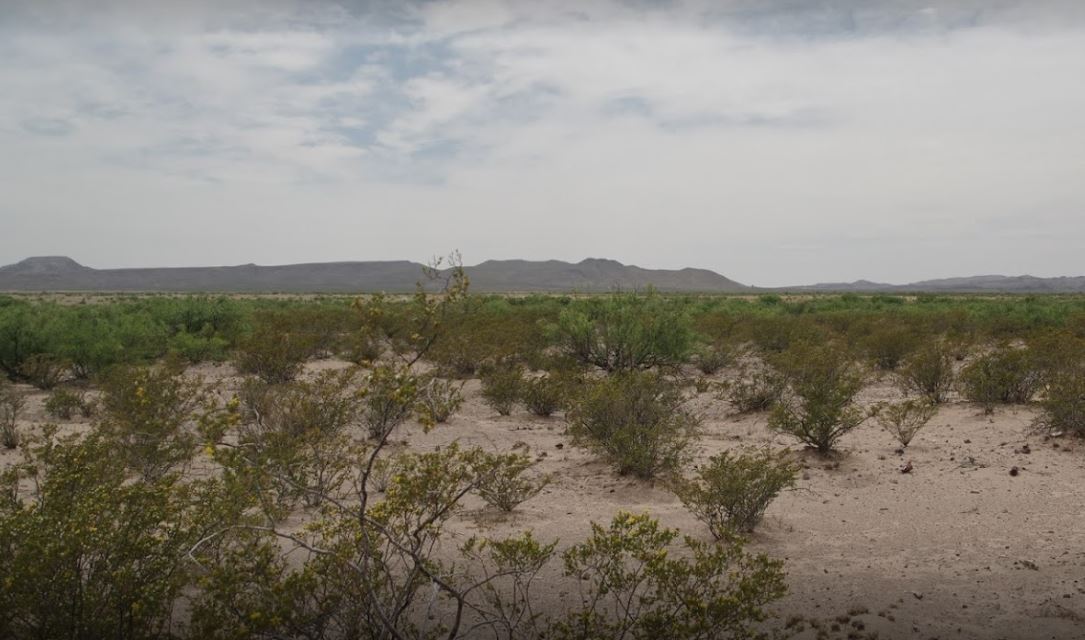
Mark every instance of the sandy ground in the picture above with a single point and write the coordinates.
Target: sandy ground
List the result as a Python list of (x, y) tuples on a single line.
[(958, 548)]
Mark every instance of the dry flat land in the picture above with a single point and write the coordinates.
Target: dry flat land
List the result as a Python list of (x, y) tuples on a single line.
[(957, 548)]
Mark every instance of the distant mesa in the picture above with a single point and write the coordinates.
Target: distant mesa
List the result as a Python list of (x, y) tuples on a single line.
[(57, 273), (592, 275)]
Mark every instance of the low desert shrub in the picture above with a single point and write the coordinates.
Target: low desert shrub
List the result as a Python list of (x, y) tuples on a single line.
[(1003, 376), (626, 331), (391, 395), (928, 371), (637, 420), (820, 409), (712, 358), (147, 414), (44, 371), (64, 403), (754, 391), (502, 386), (275, 349), (546, 394), (732, 491), (1062, 405), (631, 587), (903, 420), (502, 480), (888, 345), (438, 399), (12, 403)]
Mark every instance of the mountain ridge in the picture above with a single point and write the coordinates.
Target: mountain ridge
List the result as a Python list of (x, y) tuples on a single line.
[(591, 275)]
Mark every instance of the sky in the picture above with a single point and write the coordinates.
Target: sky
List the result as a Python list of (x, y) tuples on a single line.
[(777, 142)]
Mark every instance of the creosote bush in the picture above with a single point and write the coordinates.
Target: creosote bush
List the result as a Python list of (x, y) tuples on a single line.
[(1063, 403), (752, 391), (438, 399), (276, 348), (1003, 376), (822, 382), (711, 358), (903, 420), (636, 420), (391, 395), (147, 413), (624, 332), (928, 371), (64, 403), (546, 394), (12, 402), (44, 371), (502, 481), (731, 492), (502, 387), (630, 586), (888, 345)]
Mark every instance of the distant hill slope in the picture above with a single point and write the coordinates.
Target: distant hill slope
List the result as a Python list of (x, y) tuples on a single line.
[(55, 273), (974, 284)]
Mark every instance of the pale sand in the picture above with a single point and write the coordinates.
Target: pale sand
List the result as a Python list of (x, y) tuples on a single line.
[(956, 549)]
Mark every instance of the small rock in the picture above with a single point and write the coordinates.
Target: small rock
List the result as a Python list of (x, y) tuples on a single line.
[(559, 446), (1014, 471), (917, 595), (907, 468)]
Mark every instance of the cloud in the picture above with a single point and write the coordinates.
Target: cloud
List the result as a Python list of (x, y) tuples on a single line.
[(773, 141)]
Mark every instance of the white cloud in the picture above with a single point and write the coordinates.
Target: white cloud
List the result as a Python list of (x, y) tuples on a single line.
[(901, 147)]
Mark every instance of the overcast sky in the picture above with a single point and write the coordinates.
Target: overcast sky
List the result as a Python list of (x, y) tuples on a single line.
[(774, 141)]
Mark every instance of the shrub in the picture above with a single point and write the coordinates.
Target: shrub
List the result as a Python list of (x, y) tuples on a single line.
[(63, 403), (712, 358), (296, 441), (43, 371), (903, 420), (929, 372), (275, 349), (628, 331), (888, 345), (502, 482), (92, 554), (146, 413), (544, 395), (196, 348), (823, 382), (12, 403), (637, 421), (437, 400), (631, 587), (502, 386), (391, 394), (732, 492), (1003, 376), (757, 391), (1063, 403)]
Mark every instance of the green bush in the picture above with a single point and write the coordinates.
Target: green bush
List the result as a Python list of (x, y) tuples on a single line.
[(712, 358), (1003, 376), (929, 372), (391, 395), (438, 399), (1063, 403), (147, 414), (637, 421), (732, 491), (888, 345), (12, 403), (502, 387), (275, 349), (623, 332), (546, 394), (823, 382), (43, 371), (754, 391), (502, 482), (903, 420), (63, 404), (631, 587)]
